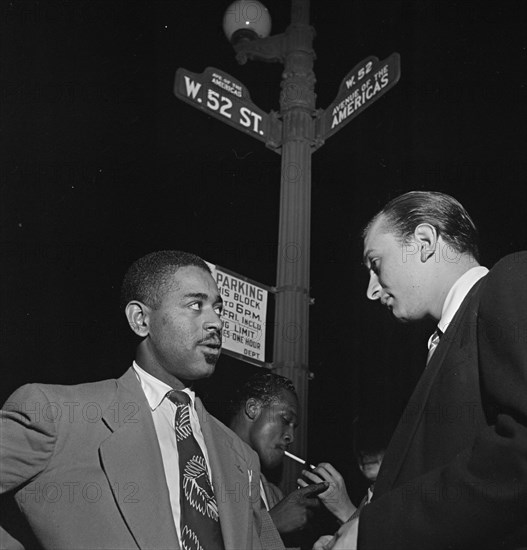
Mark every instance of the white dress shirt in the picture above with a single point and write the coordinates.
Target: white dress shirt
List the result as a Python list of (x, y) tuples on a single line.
[(164, 415), (263, 495)]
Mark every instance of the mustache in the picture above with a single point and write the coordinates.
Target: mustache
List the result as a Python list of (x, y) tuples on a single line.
[(215, 339)]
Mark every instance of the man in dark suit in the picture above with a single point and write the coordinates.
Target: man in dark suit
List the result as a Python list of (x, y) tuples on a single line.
[(108, 465), (455, 473)]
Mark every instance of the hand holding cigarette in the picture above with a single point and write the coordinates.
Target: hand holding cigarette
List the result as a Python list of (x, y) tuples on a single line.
[(336, 498)]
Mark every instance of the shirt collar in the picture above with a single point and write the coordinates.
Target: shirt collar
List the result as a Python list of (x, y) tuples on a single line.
[(457, 294), (155, 390)]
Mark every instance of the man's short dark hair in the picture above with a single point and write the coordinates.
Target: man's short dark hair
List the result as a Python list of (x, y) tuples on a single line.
[(148, 278), (404, 213), (264, 386)]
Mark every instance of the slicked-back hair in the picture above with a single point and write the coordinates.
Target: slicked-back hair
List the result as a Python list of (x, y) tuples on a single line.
[(149, 277), (452, 222), (264, 386)]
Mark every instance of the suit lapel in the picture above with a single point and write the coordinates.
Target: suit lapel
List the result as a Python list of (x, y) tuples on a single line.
[(131, 460), (402, 438), (230, 479)]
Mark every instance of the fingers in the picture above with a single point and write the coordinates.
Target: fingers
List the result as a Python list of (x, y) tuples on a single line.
[(312, 476), (320, 475), (314, 489), (328, 469), (301, 484), (323, 542)]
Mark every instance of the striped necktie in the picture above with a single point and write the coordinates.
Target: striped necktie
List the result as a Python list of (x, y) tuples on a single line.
[(200, 526), (432, 343)]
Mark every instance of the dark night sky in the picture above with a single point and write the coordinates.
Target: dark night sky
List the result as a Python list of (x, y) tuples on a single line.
[(101, 164)]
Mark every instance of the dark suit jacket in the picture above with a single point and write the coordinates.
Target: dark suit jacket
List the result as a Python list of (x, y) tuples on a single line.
[(84, 465), (455, 473)]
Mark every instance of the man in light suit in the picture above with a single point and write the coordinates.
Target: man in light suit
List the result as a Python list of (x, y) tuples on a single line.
[(455, 473), (265, 416), (95, 466)]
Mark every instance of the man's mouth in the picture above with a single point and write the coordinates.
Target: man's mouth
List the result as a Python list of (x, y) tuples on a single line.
[(213, 345)]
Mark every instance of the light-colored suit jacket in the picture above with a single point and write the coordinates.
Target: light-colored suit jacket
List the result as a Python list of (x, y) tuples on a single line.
[(84, 466), (273, 493)]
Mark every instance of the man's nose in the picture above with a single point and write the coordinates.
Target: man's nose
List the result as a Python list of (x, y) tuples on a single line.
[(289, 436), (373, 291), (213, 323)]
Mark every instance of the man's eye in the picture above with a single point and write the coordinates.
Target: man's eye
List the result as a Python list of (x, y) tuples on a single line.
[(195, 306), (218, 310)]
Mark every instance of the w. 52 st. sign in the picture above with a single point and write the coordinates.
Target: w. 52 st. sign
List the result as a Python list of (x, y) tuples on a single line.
[(222, 96)]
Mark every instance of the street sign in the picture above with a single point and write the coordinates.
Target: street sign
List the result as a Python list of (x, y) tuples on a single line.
[(222, 96), (366, 83), (244, 315)]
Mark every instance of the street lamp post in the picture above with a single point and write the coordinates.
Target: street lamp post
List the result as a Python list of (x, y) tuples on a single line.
[(297, 112), (295, 132)]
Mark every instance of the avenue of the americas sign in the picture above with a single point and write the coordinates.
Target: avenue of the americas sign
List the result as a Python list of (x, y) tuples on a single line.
[(222, 96), (367, 82), (244, 315)]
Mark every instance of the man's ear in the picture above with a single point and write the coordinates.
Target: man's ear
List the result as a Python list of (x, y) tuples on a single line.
[(253, 408), (425, 235), (137, 314)]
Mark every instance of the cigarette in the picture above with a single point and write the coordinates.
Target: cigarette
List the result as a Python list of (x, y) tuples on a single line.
[(298, 459)]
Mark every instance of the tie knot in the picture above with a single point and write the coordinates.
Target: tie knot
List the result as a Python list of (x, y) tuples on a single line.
[(432, 344), (179, 397), (434, 339)]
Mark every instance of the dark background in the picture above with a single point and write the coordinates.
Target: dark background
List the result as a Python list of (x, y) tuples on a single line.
[(101, 164)]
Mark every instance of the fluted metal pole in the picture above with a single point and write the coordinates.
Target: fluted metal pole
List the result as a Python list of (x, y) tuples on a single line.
[(297, 107)]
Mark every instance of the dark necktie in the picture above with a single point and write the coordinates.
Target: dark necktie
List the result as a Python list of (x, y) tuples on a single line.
[(434, 341), (200, 527)]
